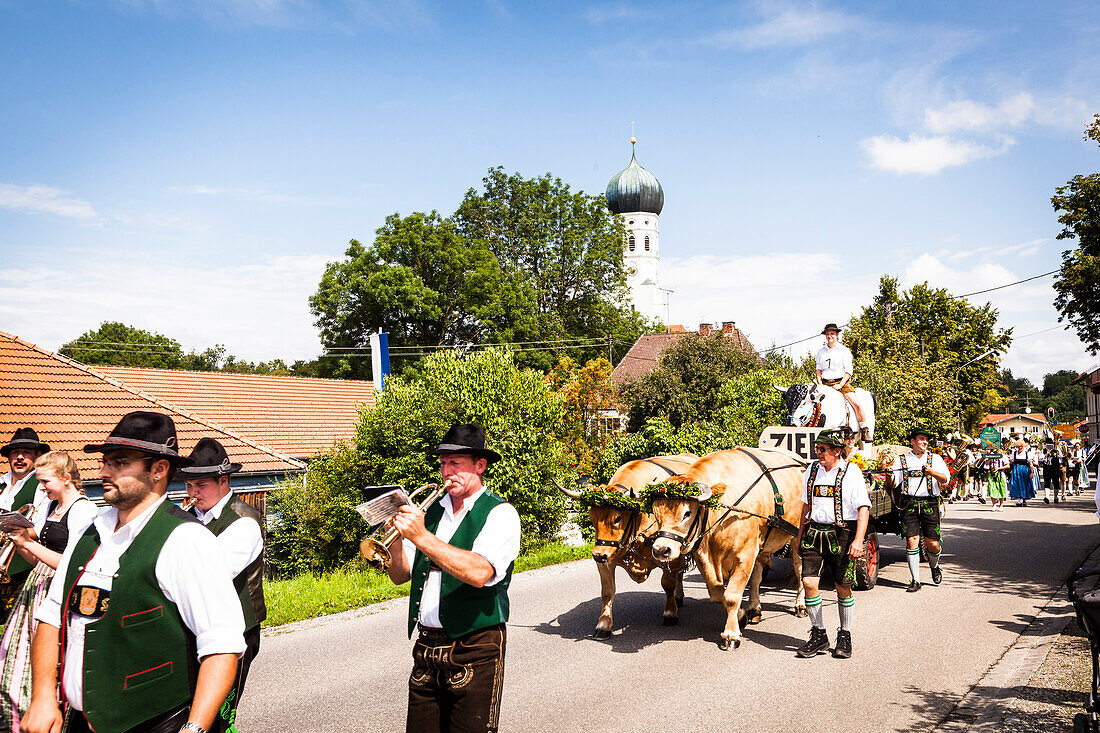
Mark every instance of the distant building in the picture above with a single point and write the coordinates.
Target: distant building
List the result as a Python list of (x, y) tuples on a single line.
[(636, 195), (1090, 382), (646, 352), (1018, 424)]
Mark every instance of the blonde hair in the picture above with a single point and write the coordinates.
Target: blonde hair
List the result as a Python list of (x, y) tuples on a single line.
[(63, 465)]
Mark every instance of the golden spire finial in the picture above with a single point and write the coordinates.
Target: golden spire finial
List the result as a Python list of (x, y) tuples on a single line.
[(632, 138)]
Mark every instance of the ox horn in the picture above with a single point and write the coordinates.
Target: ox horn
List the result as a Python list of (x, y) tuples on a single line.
[(780, 390), (567, 492), (704, 493)]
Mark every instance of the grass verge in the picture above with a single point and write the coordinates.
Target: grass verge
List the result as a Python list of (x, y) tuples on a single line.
[(308, 596)]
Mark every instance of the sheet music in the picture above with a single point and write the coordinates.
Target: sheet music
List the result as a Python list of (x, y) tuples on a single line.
[(14, 520), (383, 508)]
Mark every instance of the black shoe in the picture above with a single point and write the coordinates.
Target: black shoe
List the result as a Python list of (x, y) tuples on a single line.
[(843, 648), (937, 575), (981, 499), (1046, 500), (819, 642), (913, 587)]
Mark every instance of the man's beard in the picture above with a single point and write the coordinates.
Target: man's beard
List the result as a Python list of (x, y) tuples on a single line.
[(124, 497)]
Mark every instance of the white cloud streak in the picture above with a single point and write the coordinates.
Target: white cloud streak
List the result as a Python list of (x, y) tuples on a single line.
[(785, 27), (925, 155), (966, 114), (42, 199)]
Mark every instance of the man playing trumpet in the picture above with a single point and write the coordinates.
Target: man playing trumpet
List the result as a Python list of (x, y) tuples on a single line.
[(459, 555)]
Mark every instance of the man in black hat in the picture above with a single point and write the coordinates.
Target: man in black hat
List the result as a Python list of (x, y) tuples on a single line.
[(459, 556), (831, 534), (835, 368), (239, 529), (18, 488), (142, 605), (918, 475)]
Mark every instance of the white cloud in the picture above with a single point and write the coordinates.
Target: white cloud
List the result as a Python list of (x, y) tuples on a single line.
[(259, 311), (44, 200), (786, 27), (619, 12), (967, 114), (927, 155)]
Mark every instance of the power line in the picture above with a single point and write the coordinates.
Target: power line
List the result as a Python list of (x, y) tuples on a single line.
[(1002, 287)]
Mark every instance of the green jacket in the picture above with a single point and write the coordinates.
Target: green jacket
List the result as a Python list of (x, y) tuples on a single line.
[(462, 608), (25, 496)]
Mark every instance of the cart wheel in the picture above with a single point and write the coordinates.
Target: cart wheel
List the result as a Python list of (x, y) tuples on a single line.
[(867, 566), (1081, 723)]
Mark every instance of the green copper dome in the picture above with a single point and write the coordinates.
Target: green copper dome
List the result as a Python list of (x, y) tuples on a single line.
[(635, 189)]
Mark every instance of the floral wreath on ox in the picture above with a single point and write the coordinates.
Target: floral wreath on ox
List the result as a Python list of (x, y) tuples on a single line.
[(606, 496), (678, 490)]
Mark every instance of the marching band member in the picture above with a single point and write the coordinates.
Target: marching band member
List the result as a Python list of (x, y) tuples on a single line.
[(19, 487), (239, 529), (459, 556), (835, 498), (919, 474), (142, 607)]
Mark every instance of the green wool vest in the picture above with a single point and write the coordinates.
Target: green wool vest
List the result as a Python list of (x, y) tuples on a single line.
[(462, 608), (139, 658), (249, 583), (24, 497)]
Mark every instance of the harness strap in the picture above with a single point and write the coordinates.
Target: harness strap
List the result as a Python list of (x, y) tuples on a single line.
[(664, 468)]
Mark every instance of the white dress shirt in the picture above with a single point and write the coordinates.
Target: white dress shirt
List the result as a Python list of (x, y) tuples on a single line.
[(919, 485), (834, 363), (498, 543), (241, 541), (11, 488), (191, 572), (853, 493)]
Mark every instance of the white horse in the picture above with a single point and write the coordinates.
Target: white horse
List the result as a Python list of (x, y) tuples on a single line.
[(821, 406)]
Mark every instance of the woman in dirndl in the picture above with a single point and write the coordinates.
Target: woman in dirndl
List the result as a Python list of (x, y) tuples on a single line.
[(998, 464), (1020, 486), (68, 512)]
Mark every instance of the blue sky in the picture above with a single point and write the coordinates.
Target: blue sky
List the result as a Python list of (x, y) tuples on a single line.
[(188, 166)]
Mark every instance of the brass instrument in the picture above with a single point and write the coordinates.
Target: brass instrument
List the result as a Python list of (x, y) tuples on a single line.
[(188, 502), (376, 548), (7, 547)]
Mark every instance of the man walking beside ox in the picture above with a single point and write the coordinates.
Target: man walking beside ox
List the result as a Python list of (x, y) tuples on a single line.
[(918, 476), (835, 500), (459, 556)]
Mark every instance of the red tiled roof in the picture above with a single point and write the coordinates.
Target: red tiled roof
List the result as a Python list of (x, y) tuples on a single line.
[(299, 416), (994, 418), (646, 352), (71, 404)]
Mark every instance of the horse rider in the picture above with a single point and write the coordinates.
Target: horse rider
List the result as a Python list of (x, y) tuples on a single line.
[(141, 628), (835, 500), (459, 556), (919, 475), (834, 369), (240, 532)]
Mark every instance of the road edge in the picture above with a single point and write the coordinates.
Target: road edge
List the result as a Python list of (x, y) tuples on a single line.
[(988, 701)]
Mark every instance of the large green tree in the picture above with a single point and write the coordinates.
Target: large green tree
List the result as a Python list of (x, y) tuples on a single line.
[(684, 387), (116, 344), (423, 283), (567, 248), (1078, 282), (950, 335)]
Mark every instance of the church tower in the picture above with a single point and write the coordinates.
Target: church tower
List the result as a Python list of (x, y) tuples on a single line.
[(636, 195)]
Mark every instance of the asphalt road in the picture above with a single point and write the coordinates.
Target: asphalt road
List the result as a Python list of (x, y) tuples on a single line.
[(915, 655)]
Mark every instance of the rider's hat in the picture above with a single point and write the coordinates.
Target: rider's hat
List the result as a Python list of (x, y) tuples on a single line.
[(830, 327)]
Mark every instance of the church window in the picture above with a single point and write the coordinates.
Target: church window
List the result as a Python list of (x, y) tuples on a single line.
[(631, 246), (647, 243), (630, 223)]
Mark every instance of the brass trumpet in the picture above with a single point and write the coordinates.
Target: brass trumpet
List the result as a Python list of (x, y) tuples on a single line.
[(376, 548), (8, 547), (188, 502)]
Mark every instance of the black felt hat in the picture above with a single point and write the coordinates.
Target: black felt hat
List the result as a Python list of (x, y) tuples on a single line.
[(830, 327), (833, 438), (466, 438), (149, 432), (920, 431), (208, 460), (24, 438)]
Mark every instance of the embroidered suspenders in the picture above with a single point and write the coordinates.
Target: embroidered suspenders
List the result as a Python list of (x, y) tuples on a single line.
[(825, 491)]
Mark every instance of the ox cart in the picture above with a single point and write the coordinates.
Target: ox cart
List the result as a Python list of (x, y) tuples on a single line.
[(885, 519)]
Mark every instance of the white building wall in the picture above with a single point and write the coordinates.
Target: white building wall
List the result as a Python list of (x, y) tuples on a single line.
[(641, 256)]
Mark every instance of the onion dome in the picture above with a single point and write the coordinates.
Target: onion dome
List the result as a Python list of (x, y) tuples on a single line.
[(635, 189)]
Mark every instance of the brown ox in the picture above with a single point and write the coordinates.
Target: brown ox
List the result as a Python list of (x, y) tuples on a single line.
[(728, 542), (621, 540)]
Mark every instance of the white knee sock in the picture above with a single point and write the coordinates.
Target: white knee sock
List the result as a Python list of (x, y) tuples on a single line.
[(847, 605), (813, 607), (913, 556)]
